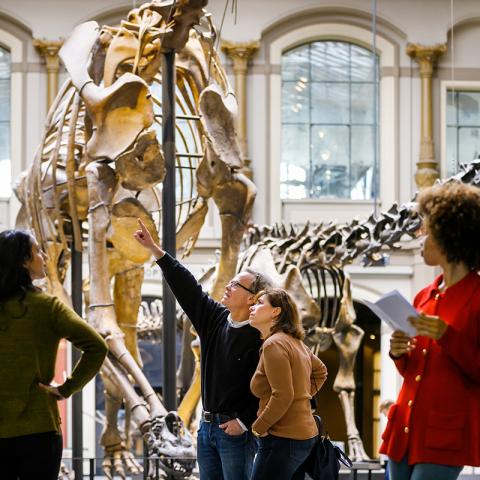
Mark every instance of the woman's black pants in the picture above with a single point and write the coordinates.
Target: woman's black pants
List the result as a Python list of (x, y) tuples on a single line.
[(31, 457)]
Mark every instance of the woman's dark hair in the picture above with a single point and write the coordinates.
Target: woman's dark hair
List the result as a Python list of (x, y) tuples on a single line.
[(288, 321), (452, 216), (15, 252)]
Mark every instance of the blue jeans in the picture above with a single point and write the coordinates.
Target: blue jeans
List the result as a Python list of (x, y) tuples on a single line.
[(281, 458), (224, 457), (422, 471)]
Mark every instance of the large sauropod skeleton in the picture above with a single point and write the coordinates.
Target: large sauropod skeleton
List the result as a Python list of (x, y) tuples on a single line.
[(100, 166)]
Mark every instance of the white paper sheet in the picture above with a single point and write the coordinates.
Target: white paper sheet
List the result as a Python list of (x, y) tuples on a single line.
[(394, 309)]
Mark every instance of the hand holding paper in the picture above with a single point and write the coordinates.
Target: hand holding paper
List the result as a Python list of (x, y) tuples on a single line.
[(395, 310), (401, 343), (429, 325)]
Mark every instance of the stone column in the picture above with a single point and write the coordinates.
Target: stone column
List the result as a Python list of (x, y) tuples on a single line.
[(48, 49), (241, 53), (427, 166)]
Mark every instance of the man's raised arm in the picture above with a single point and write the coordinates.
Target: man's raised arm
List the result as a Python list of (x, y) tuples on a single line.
[(200, 308)]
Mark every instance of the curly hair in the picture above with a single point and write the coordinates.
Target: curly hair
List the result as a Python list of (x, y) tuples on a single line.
[(288, 321), (452, 216)]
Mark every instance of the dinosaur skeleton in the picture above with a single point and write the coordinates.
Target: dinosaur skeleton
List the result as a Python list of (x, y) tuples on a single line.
[(100, 166)]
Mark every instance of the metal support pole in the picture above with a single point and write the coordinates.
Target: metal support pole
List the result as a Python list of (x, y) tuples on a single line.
[(77, 403), (168, 227), (92, 469)]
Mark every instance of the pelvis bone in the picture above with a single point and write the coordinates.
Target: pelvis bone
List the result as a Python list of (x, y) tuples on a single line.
[(119, 112)]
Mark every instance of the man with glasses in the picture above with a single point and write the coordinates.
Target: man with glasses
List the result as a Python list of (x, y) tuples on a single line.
[(229, 356)]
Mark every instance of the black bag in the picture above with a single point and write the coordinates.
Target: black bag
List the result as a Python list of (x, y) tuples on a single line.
[(323, 463)]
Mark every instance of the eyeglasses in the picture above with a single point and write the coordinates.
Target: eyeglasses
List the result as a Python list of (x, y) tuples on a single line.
[(235, 283)]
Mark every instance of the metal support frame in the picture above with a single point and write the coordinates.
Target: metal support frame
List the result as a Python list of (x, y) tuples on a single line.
[(169, 389), (77, 401)]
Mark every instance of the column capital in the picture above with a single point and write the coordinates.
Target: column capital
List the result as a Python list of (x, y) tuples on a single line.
[(426, 56), (240, 53), (48, 49)]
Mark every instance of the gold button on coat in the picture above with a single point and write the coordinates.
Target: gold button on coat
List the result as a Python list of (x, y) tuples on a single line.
[(410, 403), (418, 378), (405, 429), (424, 351)]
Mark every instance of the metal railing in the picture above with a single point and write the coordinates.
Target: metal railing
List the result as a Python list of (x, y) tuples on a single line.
[(152, 468)]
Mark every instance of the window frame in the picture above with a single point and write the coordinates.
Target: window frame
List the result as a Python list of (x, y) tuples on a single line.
[(17, 46), (9, 121), (445, 86), (298, 211), (311, 123)]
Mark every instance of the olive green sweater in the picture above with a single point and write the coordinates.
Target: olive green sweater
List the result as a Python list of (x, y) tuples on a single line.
[(30, 332)]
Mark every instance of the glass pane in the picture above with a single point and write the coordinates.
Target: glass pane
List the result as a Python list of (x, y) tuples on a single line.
[(452, 165), (186, 138), (469, 111), (181, 108), (451, 107), (185, 186), (330, 103), (330, 61), (295, 64), (4, 141), (327, 88), (362, 64), (4, 63), (362, 103), (295, 102), (362, 164), (5, 100), (156, 91), (295, 164), (330, 156), (5, 168), (468, 144)]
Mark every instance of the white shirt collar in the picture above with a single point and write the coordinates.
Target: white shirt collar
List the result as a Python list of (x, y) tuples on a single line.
[(233, 324)]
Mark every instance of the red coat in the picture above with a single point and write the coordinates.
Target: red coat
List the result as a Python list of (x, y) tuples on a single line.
[(437, 415)]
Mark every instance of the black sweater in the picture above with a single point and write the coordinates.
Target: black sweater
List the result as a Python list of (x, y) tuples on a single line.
[(229, 356)]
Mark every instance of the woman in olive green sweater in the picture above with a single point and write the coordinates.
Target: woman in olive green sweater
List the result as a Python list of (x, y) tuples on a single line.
[(31, 327)]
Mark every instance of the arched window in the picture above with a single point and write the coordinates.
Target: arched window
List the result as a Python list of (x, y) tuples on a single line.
[(328, 122), (5, 167), (463, 128)]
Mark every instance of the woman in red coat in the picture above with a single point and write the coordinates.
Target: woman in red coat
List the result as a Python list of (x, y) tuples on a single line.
[(434, 427)]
